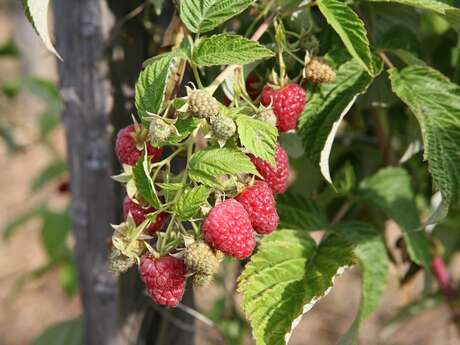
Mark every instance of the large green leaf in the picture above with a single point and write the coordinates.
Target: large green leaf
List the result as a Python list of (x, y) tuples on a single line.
[(258, 137), (451, 13), (390, 191), (434, 100), (300, 213), (227, 49), (285, 278), (152, 83), (205, 15), (327, 107), (373, 260), (206, 166), (433, 5), (351, 30), (67, 332), (37, 13)]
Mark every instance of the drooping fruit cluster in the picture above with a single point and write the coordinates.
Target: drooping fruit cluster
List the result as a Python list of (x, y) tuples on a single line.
[(179, 224)]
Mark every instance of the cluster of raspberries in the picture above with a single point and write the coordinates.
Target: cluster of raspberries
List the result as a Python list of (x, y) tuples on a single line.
[(231, 226)]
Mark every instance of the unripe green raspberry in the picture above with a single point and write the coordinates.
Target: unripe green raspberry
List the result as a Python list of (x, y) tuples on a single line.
[(159, 132), (318, 71), (267, 115), (202, 104), (120, 263), (223, 127), (201, 258), (201, 279)]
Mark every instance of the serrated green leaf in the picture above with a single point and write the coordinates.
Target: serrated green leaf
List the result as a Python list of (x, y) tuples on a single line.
[(434, 100), (258, 137), (452, 14), (37, 13), (66, 332), (285, 278), (226, 49), (351, 30), (390, 191), (184, 128), (171, 186), (205, 15), (371, 253), (151, 85), (54, 232), (48, 174), (433, 5), (189, 203), (144, 183), (207, 165), (327, 107), (300, 213)]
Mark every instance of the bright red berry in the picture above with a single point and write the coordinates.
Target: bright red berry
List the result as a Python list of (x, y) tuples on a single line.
[(287, 102), (139, 214), (228, 229), (164, 279), (126, 148), (277, 178), (260, 204)]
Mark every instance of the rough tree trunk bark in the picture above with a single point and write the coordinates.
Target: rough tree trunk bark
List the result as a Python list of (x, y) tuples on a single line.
[(101, 64)]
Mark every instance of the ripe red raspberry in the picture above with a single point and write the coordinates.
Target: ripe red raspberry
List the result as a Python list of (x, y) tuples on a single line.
[(260, 204), (126, 148), (139, 213), (164, 279), (228, 229), (277, 179), (287, 103)]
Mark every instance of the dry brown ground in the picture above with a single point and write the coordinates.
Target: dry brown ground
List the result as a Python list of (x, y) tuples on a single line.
[(24, 315)]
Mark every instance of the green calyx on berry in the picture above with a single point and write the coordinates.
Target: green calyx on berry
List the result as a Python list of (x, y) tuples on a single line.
[(202, 104), (128, 238)]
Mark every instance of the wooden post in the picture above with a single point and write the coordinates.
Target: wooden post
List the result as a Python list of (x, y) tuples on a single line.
[(102, 61)]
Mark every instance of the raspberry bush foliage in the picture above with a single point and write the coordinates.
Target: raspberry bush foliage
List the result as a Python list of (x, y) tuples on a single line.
[(261, 122)]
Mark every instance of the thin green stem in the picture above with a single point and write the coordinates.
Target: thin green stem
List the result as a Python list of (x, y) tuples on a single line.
[(196, 74), (168, 159), (295, 57)]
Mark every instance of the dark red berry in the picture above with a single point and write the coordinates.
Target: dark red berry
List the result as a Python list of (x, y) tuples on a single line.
[(287, 102), (126, 148), (139, 214), (260, 204), (276, 178), (164, 279), (228, 229)]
